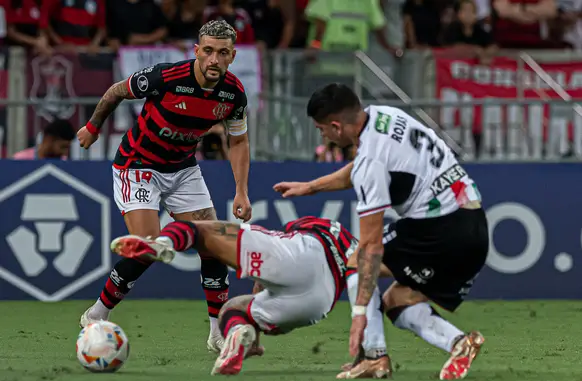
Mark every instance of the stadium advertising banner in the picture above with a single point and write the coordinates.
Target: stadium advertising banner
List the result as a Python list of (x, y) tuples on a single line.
[(460, 80), (59, 218)]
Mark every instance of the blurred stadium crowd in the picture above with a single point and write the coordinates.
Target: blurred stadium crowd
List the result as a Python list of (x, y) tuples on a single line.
[(476, 28), (322, 24)]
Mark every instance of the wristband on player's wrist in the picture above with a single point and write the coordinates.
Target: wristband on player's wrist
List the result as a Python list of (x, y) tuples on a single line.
[(92, 128), (358, 311)]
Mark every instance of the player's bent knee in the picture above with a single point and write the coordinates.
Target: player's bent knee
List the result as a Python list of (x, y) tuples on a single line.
[(385, 271), (240, 303), (399, 295)]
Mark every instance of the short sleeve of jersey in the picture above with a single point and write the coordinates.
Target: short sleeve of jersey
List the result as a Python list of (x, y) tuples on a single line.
[(371, 181), (148, 82), (236, 122)]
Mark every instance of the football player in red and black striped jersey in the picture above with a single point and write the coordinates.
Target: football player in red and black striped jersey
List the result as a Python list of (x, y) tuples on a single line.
[(156, 164), (302, 270)]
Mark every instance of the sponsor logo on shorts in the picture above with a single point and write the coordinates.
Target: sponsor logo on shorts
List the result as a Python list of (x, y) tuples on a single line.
[(422, 276), (448, 178), (256, 263)]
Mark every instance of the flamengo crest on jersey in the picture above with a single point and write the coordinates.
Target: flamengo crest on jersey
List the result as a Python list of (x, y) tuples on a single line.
[(404, 165)]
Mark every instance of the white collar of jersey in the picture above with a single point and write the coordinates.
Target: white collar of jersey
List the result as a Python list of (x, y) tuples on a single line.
[(205, 89)]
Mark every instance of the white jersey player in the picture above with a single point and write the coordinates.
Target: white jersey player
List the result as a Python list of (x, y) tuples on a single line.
[(402, 164), (434, 252)]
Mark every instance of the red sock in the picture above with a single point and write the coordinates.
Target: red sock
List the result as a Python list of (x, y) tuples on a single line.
[(232, 318), (183, 234)]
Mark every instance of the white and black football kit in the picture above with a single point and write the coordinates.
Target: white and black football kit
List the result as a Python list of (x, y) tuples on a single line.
[(437, 247)]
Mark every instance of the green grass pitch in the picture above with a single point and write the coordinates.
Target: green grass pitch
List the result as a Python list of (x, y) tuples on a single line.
[(534, 340)]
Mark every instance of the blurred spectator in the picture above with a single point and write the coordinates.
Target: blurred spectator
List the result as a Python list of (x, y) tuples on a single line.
[(55, 143), (394, 22), (567, 27), (69, 24), (273, 21), (422, 24), (521, 24), (184, 21), (467, 35), (344, 25), (301, 28), (3, 6), (135, 22), (23, 19), (238, 18)]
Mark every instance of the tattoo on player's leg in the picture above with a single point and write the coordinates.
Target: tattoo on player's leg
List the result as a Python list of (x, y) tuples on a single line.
[(226, 229), (208, 214)]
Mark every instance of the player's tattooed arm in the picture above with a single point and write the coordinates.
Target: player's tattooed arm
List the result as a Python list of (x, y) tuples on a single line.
[(109, 102), (371, 252)]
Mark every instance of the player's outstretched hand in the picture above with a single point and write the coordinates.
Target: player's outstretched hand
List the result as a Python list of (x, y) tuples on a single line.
[(86, 139), (293, 189)]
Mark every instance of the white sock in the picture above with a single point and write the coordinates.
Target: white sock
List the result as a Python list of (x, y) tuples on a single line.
[(374, 340), (99, 311), (165, 241), (435, 330), (214, 329)]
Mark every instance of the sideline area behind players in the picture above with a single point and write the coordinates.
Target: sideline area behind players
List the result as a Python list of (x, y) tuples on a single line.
[(438, 246), (155, 164), (302, 270)]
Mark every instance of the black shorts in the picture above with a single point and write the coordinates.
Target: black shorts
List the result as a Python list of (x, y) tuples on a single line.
[(440, 256)]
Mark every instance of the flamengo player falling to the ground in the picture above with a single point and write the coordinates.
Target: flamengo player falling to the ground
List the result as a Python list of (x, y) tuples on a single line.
[(315, 249), (155, 162), (439, 245)]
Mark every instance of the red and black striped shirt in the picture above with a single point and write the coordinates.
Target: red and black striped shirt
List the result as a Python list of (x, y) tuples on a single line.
[(337, 241), (176, 113), (74, 21)]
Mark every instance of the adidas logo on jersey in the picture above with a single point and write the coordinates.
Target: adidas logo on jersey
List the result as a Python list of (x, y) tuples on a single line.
[(181, 106)]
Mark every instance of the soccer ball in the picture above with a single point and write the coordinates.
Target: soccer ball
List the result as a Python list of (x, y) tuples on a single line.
[(102, 347)]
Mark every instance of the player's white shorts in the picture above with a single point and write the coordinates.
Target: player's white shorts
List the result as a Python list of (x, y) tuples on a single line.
[(178, 192), (299, 285)]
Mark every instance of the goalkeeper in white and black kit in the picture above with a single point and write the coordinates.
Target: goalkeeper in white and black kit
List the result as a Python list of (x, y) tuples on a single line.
[(434, 251)]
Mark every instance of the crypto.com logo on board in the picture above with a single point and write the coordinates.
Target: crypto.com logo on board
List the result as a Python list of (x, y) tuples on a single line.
[(59, 239)]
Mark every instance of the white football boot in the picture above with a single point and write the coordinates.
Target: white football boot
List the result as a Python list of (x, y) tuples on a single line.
[(215, 342), (133, 246), (86, 318), (238, 341)]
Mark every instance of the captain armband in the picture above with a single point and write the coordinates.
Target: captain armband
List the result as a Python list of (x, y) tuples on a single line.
[(236, 127)]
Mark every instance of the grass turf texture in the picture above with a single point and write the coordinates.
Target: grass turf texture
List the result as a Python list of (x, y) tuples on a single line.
[(534, 340)]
